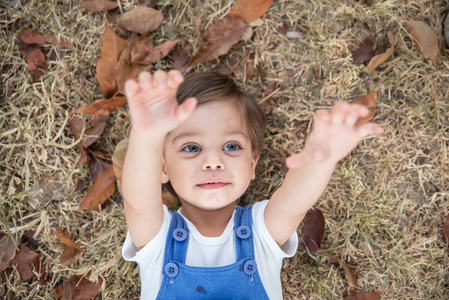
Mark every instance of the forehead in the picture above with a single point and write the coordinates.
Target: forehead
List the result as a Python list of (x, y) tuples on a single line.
[(220, 117)]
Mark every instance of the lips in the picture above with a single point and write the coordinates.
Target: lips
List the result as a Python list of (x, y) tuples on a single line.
[(212, 184)]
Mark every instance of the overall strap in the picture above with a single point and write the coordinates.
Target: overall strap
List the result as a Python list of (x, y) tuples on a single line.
[(177, 239), (244, 241)]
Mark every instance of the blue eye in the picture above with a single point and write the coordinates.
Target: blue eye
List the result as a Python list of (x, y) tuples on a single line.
[(231, 147), (192, 148)]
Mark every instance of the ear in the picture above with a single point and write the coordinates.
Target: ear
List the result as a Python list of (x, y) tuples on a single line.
[(164, 178), (253, 166)]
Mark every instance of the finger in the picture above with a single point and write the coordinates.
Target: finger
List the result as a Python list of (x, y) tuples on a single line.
[(174, 78), (339, 112), (322, 117), (186, 109), (160, 78), (369, 128), (131, 88), (145, 80)]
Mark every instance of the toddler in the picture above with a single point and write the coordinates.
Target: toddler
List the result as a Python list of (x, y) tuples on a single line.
[(202, 137)]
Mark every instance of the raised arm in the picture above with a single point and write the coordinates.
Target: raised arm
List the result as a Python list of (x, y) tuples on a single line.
[(154, 112), (332, 138)]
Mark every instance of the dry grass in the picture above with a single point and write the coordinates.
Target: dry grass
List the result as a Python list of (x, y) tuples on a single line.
[(384, 207)]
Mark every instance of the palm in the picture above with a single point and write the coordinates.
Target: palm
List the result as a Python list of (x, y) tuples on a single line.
[(333, 135), (152, 101)]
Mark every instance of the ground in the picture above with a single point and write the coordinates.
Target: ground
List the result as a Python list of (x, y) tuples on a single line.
[(384, 208)]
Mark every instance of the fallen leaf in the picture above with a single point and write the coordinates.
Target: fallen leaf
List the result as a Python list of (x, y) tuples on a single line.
[(118, 157), (92, 134), (364, 53), (380, 58), (350, 277), (78, 287), (222, 36), (24, 260), (29, 240), (369, 101), (25, 49), (99, 5), (126, 69), (312, 231), (365, 296), (102, 107), (7, 252), (148, 3), (111, 48), (37, 64), (446, 230), (32, 37), (71, 249), (144, 53), (100, 191), (140, 19), (59, 41), (250, 10), (97, 166), (180, 59), (427, 43)]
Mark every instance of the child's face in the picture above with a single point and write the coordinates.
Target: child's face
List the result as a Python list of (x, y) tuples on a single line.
[(211, 146)]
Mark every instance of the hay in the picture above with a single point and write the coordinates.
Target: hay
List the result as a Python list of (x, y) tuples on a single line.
[(384, 207)]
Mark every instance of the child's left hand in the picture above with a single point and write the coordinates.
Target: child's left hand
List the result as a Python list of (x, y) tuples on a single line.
[(333, 135)]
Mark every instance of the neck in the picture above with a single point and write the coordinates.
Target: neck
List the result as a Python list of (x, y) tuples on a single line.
[(208, 223)]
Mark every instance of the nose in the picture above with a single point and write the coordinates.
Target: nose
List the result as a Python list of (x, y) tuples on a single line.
[(213, 162)]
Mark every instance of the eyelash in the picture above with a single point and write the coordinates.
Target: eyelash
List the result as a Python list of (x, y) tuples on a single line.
[(233, 143)]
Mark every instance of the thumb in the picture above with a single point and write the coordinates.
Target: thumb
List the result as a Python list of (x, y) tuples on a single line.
[(186, 109)]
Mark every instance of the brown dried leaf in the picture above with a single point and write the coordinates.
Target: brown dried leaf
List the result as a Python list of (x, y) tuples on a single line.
[(126, 69), (180, 58), (51, 38), (446, 230), (36, 64), (71, 249), (99, 5), (100, 191), (378, 59), (427, 43), (365, 296), (111, 48), (145, 53), (32, 37), (350, 277), (102, 107), (24, 260), (93, 134), (7, 252), (250, 10), (97, 166), (140, 19), (79, 288), (118, 157), (364, 53), (222, 36), (368, 100), (312, 231)]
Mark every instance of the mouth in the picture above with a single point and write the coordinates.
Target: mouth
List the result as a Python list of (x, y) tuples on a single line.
[(212, 185)]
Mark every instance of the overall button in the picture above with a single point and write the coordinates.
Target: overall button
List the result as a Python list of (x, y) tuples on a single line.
[(171, 270), (250, 267), (179, 234), (243, 232)]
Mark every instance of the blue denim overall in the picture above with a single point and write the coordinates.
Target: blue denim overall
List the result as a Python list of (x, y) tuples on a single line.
[(239, 280)]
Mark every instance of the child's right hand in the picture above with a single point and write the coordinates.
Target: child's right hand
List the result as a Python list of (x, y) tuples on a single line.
[(152, 102)]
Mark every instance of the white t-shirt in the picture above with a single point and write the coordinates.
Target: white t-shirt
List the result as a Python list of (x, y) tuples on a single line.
[(213, 252)]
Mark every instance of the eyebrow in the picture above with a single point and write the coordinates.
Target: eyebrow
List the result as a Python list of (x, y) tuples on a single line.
[(195, 133)]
